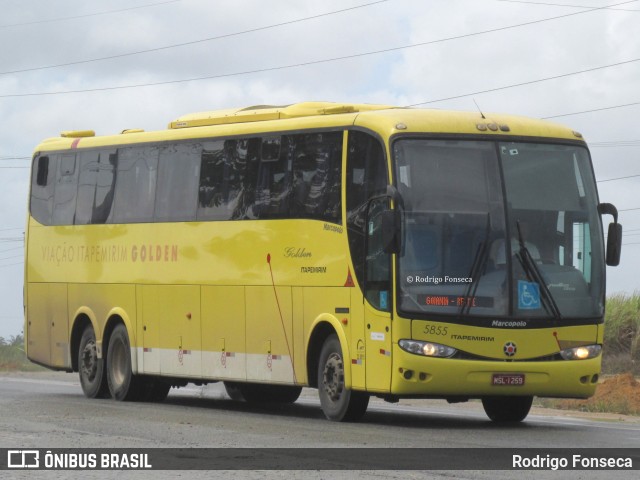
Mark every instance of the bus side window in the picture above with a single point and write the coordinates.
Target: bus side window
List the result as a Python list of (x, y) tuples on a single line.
[(64, 200), (317, 168), (213, 192), (96, 186), (274, 177), (229, 179), (42, 188), (87, 180), (135, 184), (178, 177), (102, 205), (246, 161)]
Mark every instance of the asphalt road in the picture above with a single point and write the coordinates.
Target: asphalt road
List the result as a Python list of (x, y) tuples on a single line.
[(48, 410)]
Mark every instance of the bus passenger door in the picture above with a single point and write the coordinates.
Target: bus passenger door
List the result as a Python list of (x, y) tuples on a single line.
[(366, 180), (377, 308)]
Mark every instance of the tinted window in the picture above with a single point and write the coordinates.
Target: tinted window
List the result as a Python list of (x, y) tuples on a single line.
[(86, 186), (247, 158), (178, 173), (96, 185), (42, 188), (64, 204), (291, 176), (228, 179), (316, 176), (136, 184), (274, 178), (102, 206), (213, 193)]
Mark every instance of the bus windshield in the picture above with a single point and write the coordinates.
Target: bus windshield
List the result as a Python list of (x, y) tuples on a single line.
[(498, 229)]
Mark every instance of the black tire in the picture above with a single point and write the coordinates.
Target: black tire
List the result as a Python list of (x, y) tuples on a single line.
[(261, 393), (91, 368), (123, 385), (338, 403), (507, 409)]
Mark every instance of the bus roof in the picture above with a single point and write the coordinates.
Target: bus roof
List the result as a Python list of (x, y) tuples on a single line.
[(384, 119)]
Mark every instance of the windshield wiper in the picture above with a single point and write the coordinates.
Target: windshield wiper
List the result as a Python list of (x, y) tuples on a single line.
[(532, 272), (477, 267)]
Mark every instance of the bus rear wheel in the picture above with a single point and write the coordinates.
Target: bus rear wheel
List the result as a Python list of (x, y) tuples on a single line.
[(507, 409), (90, 367), (338, 402), (123, 385)]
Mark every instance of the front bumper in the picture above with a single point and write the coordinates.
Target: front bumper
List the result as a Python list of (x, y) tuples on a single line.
[(419, 376)]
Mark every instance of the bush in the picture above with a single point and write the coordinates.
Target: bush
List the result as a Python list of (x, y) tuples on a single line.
[(622, 324), (12, 356)]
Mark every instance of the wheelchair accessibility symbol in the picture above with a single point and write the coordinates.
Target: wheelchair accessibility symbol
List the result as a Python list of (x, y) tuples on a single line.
[(528, 295)]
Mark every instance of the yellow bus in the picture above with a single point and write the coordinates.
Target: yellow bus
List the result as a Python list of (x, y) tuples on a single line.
[(357, 249)]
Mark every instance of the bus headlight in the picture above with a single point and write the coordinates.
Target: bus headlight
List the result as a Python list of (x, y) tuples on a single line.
[(581, 353), (428, 349)]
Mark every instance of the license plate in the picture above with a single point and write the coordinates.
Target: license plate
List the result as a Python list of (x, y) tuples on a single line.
[(508, 379)]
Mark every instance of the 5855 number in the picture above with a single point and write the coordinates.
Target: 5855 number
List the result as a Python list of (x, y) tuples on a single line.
[(435, 330)]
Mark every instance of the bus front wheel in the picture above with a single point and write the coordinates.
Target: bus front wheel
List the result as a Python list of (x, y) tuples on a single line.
[(90, 367), (338, 402), (123, 385), (507, 409)]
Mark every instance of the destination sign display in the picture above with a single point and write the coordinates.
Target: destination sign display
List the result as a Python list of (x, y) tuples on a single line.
[(455, 301)]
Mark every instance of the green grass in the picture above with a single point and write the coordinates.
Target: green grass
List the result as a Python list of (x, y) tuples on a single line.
[(622, 334), (13, 357)]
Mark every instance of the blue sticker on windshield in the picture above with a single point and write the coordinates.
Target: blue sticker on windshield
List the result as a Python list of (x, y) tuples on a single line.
[(528, 295), (384, 303)]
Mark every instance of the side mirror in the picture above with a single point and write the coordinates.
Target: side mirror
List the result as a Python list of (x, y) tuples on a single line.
[(390, 231), (614, 244), (614, 236)]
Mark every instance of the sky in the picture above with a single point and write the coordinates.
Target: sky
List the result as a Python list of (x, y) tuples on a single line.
[(112, 65)]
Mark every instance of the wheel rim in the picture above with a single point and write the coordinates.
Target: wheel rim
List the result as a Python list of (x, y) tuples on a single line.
[(89, 361), (118, 364), (333, 377)]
